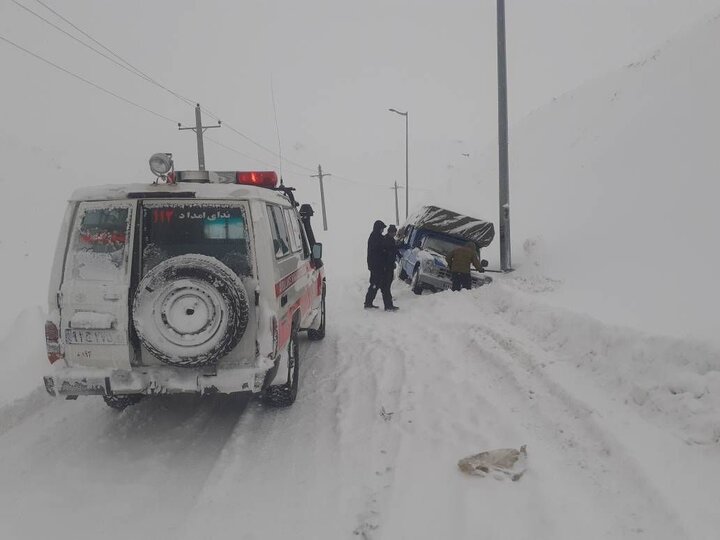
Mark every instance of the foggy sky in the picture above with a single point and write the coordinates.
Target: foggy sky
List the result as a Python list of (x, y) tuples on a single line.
[(336, 68)]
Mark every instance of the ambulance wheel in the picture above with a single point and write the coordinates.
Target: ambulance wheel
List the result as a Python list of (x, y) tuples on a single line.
[(317, 335), (121, 401), (284, 395)]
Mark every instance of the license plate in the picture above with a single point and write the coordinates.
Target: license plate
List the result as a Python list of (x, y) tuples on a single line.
[(92, 337)]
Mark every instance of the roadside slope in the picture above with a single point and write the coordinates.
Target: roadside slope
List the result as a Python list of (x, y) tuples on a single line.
[(614, 187)]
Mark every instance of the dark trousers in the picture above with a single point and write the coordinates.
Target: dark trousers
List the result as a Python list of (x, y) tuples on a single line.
[(460, 280), (379, 280)]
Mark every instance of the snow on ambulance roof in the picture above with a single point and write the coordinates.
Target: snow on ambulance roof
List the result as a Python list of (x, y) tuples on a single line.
[(193, 190)]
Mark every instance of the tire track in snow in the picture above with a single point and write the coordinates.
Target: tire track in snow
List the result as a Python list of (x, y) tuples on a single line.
[(631, 504), (671, 468), (277, 465), (333, 445), (371, 394), (23, 408), (451, 418), (129, 473)]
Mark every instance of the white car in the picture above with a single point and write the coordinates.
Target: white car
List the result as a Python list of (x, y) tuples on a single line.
[(425, 267), (197, 285), (428, 236)]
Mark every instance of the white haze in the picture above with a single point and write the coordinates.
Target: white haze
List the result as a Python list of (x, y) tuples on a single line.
[(335, 66)]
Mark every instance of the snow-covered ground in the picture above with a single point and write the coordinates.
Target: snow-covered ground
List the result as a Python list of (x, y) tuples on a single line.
[(600, 353), (621, 430)]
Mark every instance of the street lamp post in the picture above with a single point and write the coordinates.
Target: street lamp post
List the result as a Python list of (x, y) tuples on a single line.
[(504, 176), (407, 191)]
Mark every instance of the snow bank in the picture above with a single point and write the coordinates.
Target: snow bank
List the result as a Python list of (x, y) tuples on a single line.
[(673, 382), (616, 184)]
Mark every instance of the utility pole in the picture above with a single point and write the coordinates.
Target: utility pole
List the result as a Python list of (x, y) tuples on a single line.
[(407, 189), (199, 129), (504, 203), (319, 176), (397, 209)]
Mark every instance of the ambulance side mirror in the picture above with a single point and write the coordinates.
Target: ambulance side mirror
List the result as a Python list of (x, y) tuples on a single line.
[(317, 252)]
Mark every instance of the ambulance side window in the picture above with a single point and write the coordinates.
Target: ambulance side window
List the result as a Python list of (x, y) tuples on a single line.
[(281, 242), (296, 242)]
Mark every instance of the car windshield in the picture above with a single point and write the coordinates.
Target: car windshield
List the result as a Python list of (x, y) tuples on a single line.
[(214, 229), (440, 245)]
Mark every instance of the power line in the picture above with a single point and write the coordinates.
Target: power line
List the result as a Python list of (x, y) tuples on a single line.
[(130, 66), (375, 185), (273, 152), (81, 42), (236, 151), (162, 116), (86, 81), (136, 71), (126, 65)]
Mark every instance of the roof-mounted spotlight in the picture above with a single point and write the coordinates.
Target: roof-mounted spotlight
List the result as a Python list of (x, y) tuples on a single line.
[(161, 164)]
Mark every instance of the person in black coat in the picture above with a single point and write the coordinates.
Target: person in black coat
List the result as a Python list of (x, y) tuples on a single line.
[(377, 261), (391, 252)]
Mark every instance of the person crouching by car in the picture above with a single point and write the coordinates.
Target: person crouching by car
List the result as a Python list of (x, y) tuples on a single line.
[(459, 261), (377, 261)]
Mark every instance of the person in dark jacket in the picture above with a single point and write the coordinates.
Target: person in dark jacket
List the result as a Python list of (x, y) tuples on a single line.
[(391, 251), (377, 261), (459, 261)]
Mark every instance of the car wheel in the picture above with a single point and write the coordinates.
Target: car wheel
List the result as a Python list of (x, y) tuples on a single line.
[(284, 395), (190, 310), (122, 401), (415, 284), (319, 333)]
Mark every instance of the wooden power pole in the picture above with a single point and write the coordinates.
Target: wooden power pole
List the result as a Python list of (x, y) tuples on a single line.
[(320, 176)]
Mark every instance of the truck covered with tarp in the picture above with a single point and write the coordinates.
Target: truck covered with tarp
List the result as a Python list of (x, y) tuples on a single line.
[(441, 220), (428, 236)]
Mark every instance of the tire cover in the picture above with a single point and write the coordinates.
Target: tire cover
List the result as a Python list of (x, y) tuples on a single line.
[(190, 310)]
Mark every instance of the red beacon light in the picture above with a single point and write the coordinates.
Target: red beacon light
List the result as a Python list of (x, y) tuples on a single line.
[(266, 179)]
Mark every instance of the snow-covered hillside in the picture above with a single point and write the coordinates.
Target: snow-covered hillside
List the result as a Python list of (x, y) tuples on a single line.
[(614, 190)]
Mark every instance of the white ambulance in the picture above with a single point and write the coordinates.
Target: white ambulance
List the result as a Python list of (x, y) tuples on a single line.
[(198, 284)]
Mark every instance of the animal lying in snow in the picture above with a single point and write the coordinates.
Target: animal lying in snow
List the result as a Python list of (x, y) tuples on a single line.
[(505, 462)]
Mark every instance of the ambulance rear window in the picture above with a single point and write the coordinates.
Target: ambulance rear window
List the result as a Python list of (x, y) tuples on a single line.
[(213, 229)]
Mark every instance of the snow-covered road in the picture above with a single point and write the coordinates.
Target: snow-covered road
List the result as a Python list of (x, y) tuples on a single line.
[(620, 444)]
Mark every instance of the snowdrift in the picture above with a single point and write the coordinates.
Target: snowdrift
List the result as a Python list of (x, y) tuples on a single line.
[(614, 188)]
